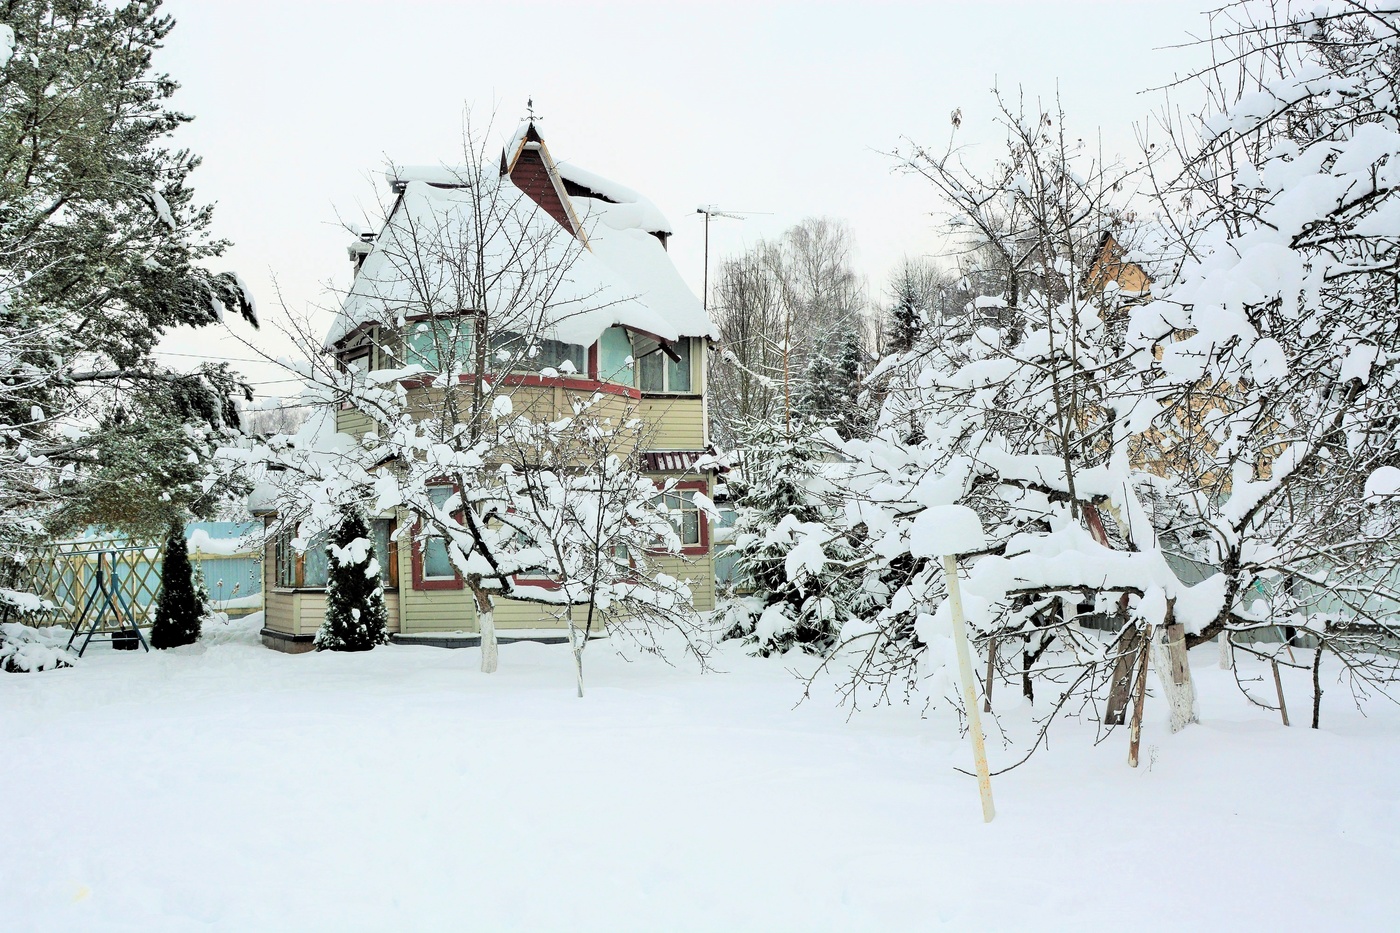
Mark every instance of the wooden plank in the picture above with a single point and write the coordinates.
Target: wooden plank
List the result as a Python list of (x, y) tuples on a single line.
[(1135, 729), (1176, 651), (1278, 685), (1129, 644)]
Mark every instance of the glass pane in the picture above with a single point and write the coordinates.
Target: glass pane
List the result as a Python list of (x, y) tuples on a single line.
[(436, 563), (317, 561), (422, 347), (652, 372), (678, 374), (507, 351), (614, 350), (454, 340), (690, 527), (379, 529), (553, 354)]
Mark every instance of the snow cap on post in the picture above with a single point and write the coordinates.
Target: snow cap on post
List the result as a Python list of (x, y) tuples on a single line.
[(941, 530)]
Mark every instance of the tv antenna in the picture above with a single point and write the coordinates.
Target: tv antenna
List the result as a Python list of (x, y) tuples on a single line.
[(710, 210)]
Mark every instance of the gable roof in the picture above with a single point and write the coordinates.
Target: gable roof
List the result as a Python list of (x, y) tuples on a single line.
[(592, 259)]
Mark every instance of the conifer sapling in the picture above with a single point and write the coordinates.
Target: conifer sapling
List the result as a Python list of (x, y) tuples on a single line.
[(178, 607), (355, 616)]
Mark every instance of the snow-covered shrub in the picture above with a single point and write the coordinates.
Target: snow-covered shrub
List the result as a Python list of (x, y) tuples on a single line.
[(25, 649), (356, 619)]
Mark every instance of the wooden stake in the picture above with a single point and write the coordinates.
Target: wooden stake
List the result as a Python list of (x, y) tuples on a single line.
[(1120, 689), (991, 669), (1278, 685), (969, 685), (1135, 729)]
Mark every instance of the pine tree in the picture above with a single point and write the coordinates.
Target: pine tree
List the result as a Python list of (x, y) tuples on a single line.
[(178, 607), (103, 249), (356, 619), (784, 530)]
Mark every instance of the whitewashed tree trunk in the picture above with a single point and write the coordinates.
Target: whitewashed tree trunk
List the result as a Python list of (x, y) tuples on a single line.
[(1227, 655), (1174, 674), (489, 655)]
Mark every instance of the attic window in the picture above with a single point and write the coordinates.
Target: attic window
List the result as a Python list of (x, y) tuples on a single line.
[(439, 343), (658, 373), (512, 351)]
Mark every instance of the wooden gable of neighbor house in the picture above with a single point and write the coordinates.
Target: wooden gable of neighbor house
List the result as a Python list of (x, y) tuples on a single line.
[(1111, 265), (532, 171)]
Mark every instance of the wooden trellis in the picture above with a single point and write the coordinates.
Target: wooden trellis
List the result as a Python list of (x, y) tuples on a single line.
[(65, 573)]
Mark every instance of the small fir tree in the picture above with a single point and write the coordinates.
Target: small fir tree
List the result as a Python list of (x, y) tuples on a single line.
[(178, 607), (355, 616)]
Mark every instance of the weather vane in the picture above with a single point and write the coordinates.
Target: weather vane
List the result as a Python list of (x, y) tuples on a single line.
[(530, 106)]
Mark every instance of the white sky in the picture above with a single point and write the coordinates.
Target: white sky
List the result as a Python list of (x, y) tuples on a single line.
[(764, 107)]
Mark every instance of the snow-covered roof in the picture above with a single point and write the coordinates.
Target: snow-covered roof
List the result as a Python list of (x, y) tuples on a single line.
[(627, 208), (540, 277), (445, 176)]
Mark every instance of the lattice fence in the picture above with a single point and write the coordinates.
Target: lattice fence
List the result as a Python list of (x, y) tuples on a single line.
[(65, 574)]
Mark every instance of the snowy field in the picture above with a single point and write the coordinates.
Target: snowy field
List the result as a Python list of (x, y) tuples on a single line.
[(229, 787)]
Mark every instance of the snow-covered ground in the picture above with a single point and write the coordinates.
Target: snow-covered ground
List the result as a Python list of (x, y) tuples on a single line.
[(229, 787)]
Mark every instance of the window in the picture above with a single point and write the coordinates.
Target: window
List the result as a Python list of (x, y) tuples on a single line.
[(514, 351), (659, 373), (615, 356), (685, 515), (309, 569), (436, 562), (436, 344)]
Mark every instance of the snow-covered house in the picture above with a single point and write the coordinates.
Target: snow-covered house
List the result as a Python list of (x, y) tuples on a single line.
[(604, 315)]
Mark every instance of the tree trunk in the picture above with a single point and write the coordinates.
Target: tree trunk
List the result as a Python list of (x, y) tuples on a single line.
[(1174, 672), (486, 624), (1027, 687), (991, 671), (1227, 652), (1317, 686)]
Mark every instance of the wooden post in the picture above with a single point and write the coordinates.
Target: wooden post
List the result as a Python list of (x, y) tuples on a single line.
[(969, 685), (1135, 729), (1278, 685), (991, 670), (1120, 688)]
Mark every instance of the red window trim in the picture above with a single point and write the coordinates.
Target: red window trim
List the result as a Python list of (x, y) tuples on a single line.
[(540, 583)]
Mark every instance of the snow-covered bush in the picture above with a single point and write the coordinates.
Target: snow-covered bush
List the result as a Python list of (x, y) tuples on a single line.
[(25, 649), (356, 619)]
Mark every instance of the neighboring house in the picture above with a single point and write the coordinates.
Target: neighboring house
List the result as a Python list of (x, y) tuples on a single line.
[(636, 337)]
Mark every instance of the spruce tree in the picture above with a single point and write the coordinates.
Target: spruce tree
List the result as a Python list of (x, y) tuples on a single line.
[(781, 501), (355, 616), (178, 607)]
